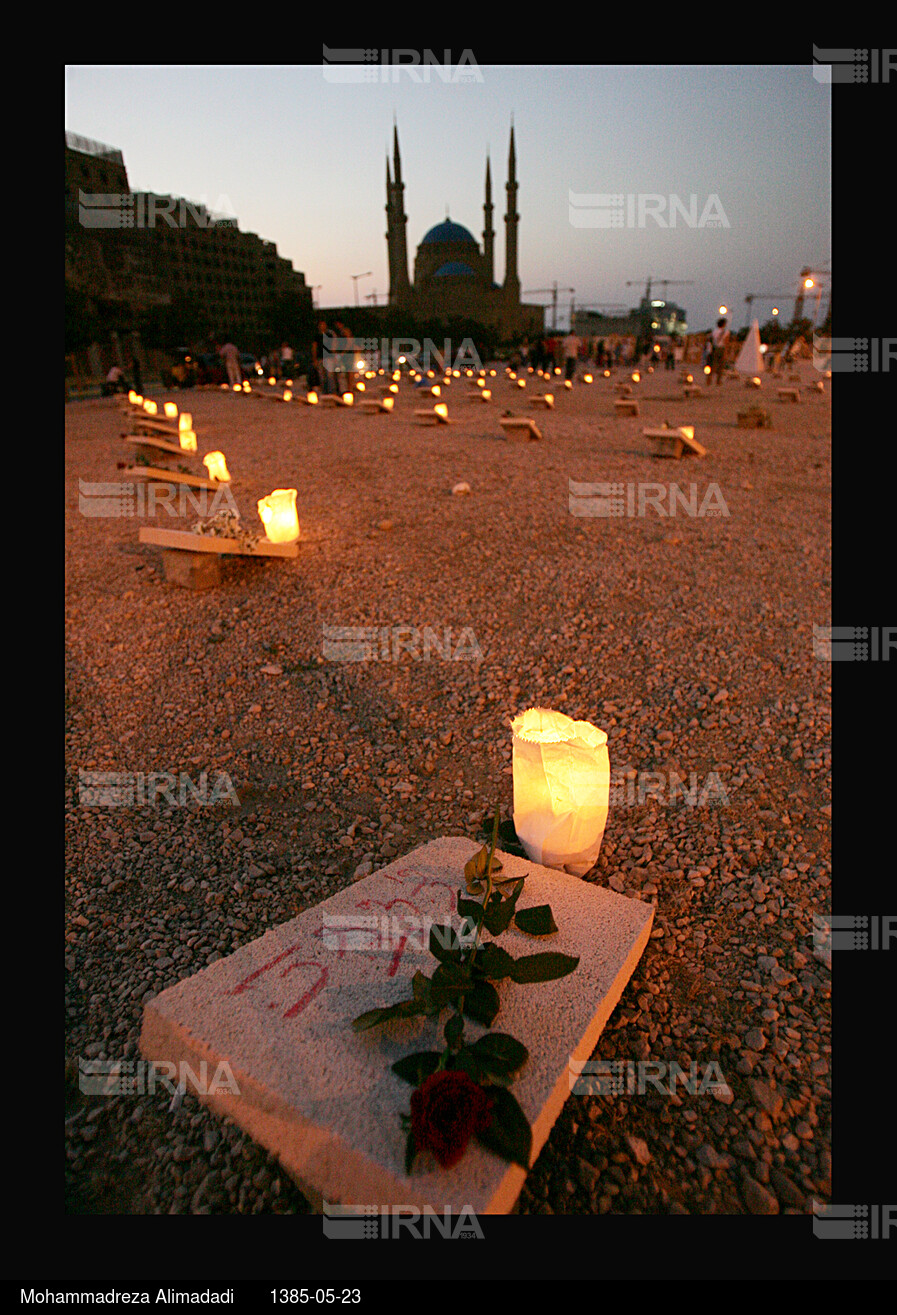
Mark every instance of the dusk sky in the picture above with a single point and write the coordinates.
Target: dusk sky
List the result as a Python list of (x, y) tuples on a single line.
[(300, 161)]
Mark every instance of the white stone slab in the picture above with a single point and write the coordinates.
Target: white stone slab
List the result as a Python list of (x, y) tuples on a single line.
[(321, 1097)]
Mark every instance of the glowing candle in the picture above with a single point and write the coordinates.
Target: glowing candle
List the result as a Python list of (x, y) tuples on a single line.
[(185, 420), (278, 513), (171, 410), (188, 440), (561, 775), (216, 465)]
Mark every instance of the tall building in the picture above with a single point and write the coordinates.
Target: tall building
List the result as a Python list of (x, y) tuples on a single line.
[(169, 266), (453, 276)]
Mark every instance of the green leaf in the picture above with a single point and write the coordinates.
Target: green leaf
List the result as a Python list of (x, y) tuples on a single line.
[(444, 944), (500, 1053), (420, 985), (448, 982), (481, 1003), (538, 921), (475, 870), (492, 961), (414, 1068), (454, 1030), (469, 908), (373, 1017), (543, 967), (467, 1062), (509, 1134), (500, 911)]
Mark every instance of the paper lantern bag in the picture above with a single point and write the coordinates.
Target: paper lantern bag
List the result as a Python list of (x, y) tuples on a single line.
[(561, 788)]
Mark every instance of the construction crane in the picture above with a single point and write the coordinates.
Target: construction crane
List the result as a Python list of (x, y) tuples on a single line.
[(664, 283), (538, 292), (765, 296)]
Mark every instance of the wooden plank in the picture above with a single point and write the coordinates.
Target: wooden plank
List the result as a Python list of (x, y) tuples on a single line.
[(153, 425), (172, 477), (211, 543), (140, 440)]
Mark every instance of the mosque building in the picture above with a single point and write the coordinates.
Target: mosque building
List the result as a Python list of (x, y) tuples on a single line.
[(453, 275)]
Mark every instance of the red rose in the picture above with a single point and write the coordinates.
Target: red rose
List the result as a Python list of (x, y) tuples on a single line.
[(447, 1109)]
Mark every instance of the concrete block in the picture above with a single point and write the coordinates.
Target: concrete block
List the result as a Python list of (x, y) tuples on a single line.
[(518, 427), (193, 570), (323, 1098), (754, 418), (626, 406)]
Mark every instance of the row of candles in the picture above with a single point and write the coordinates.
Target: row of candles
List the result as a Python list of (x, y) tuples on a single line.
[(277, 511)]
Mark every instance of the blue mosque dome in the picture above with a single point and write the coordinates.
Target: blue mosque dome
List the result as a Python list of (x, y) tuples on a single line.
[(449, 232), (453, 268)]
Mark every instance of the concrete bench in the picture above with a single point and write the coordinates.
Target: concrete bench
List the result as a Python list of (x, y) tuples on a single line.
[(789, 395), (321, 1097), (626, 406), (543, 399)]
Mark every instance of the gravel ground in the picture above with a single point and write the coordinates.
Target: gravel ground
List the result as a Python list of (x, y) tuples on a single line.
[(687, 638)]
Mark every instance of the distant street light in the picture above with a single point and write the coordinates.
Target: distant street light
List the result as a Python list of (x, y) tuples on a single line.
[(355, 278)]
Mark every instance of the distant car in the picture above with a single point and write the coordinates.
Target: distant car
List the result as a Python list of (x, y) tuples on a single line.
[(180, 370), (211, 369)]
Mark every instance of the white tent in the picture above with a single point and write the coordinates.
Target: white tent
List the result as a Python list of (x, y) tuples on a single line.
[(750, 358)]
